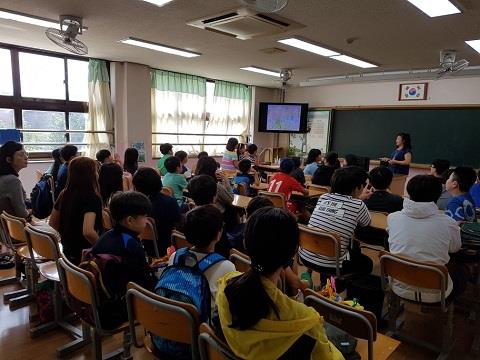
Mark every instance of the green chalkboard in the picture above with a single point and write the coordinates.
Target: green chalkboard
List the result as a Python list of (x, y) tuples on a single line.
[(452, 134)]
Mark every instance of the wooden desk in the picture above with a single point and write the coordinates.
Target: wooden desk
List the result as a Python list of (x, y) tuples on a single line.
[(272, 168), (379, 220), (382, 348), (312, 193), (398, 185), (260, 187), (241, 201)]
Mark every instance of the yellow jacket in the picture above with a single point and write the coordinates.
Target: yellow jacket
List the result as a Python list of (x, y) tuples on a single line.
[(270, 338)]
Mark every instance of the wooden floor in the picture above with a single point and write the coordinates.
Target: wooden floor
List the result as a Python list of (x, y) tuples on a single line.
[(16, 344)]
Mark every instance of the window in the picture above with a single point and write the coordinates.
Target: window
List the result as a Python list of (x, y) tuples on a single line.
[(45, 96)]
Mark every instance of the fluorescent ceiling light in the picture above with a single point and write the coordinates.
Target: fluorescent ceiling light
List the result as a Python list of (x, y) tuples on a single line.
[(434, 8), (28, 19), (475, 44), (159, 47), (352, 61), (301, 44), (158, 2), (261, 71)]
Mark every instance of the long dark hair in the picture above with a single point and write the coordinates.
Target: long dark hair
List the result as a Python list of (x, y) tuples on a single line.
[(407, 140), (207, 166), (8, 150), (271, 240), (57, 161), (130, 162), (110, 180), (312, 156)]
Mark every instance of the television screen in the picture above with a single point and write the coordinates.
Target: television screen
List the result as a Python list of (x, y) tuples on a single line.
[(283, 117)]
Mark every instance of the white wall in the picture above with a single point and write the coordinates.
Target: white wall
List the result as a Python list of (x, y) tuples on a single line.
[(440, 92)]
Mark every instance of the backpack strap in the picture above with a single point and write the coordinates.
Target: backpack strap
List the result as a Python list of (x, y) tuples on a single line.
[(209, 260), (181, 256)]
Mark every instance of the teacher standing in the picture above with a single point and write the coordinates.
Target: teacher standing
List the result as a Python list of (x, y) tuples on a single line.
[(402, 156)]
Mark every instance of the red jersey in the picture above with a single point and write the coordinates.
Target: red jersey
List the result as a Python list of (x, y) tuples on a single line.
[(285, 184)]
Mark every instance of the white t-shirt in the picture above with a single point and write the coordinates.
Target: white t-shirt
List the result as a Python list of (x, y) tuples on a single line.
[(338, 214), (420, 232)]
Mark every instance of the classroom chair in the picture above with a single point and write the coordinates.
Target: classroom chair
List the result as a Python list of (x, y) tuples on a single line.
[(321, 189), (278, 199), (150, 235), (420, 275), (159, 316), (179, 241), (240, 260), (212, 347), (375, 235), (397, 186), (167, 191), (80, 286)]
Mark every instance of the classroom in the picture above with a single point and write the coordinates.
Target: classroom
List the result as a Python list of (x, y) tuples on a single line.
[(239, 179)]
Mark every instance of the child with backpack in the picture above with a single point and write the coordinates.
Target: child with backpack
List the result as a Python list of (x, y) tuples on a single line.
[(194, 271)]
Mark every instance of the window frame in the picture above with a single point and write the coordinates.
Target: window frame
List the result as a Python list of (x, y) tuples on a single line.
[(19, 103)]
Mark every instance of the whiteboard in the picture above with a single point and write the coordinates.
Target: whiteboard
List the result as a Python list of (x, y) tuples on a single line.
[(317, 137)]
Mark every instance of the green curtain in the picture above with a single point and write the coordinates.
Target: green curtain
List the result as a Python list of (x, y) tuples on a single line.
[(171, 81), (97, 71), (232, 90)]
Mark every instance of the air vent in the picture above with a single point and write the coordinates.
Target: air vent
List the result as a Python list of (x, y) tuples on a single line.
[(272, 50), (245, 24)]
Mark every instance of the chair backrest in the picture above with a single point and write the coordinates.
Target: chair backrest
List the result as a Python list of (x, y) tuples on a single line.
[(278, 199), (150, 234), (240, 260), (397, 186), (169, 319), (167, 191), (320, 242), (320, 188), (358, 323), (415, 273), (242, 189), (107, 219), (179, 241), (15, 227), (42, 243), (379, 220), (212, 347)]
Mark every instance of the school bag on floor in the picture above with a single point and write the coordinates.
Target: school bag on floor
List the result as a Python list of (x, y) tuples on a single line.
[(470, 233), (185, 281), (42, 197)]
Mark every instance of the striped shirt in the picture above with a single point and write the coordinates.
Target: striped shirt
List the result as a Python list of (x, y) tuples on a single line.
[(228, 158), (248, 156), (338, 214)]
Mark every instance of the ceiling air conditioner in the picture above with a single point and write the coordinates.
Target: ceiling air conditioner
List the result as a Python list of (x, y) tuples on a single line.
[(245, 24)]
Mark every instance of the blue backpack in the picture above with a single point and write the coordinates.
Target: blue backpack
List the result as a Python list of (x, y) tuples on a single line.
[(185, 281), (42, 197)]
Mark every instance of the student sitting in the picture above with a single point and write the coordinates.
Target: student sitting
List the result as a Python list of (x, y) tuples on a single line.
[(57, 162), (340, 211), (165, 210), (202, 189), (461, 206), (350, 160), (174, 180), (167, 151), (257, 320), (324, 173), (420, 232), (381, 199), (475, 191), (283, 183), (438, 169), (313, 161), (110, 180), (130, 161), (68, 152), (297, 173), (250, 154), (183, 156), (104, 156), (129, 211), (244, 176)]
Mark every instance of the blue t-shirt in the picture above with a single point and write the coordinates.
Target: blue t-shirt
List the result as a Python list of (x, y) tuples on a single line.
[(475, 194), (243, 178), (461, 208), (310, 169), (399, 154)]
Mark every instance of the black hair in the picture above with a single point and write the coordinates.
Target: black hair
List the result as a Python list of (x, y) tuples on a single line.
[(313, 154), (271, 240), (68, 152), (465, 177), (8, 150), (172, 163), (202, 189), (346, 180), (207, 166), (351, 160), (244, 166), (332, 159), (407, 140), (57, 162), (147, 181), (101, 155), (202, 154), (251, 148), (166, 148), (182, 155), (286, 165), (424, 188), (110, 180), (202, 225), (232, 144), (296, 162), (241, 146), (256, 203), (129, 203), (440, 166), (446, 174), (381, 177), (130, 162)]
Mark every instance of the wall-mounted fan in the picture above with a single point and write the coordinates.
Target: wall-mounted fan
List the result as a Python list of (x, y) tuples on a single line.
[(66, 36), (265, 6), (448, 65)]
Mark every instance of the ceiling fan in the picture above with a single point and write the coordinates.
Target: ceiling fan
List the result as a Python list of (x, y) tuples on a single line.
[(67, 38), (448, 65), (265, 6)]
